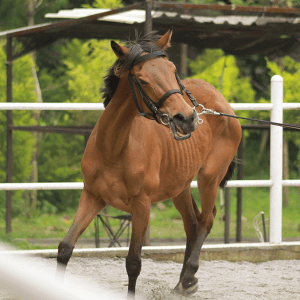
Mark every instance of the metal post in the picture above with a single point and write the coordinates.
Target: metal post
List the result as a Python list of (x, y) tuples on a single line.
[(264, 226), (9, 123), (239, 194), (148, 22), (276, 160), (227, 216), (86, 138)]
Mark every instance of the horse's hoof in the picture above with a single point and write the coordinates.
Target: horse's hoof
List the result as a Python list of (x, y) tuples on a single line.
[(185, 292)]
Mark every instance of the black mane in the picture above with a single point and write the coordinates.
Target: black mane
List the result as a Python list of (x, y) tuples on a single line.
[(111, 80)]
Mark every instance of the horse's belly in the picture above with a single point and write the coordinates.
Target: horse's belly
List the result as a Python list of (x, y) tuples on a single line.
[(172, 184)]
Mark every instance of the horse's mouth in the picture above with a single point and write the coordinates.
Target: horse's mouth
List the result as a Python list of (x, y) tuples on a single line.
[(178, 135)]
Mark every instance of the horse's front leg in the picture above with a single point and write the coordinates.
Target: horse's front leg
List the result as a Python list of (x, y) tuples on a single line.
[(89, 206), (140, 220)]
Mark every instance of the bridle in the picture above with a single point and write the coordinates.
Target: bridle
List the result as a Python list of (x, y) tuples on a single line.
[(154, 107)]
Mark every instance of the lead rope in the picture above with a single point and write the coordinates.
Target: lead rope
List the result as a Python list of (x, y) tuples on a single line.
[(206, 111)]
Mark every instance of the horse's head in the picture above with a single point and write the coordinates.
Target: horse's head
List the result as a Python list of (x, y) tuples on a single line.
[(155, 85)]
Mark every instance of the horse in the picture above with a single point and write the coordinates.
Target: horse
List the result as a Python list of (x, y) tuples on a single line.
[(148, 147)]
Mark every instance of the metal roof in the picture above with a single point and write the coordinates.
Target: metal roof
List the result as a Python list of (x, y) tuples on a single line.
[(138, 16), (237, 30)]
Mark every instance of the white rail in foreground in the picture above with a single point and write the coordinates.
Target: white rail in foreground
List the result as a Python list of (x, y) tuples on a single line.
[(33, 280), (275, 183)]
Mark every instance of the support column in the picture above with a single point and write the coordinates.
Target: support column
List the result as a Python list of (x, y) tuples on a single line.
[(239, 194), (227, 216), (276, 160), (9, 123), (148, 22)]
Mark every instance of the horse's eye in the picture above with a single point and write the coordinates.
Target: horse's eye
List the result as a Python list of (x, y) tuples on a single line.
[(142, 81)]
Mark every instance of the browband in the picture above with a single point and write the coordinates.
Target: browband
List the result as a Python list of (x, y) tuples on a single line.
[(147, 56)]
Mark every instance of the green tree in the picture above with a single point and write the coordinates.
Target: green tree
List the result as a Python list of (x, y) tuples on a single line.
[(87, 64), (23, 91), (105, 4), (222, 72)]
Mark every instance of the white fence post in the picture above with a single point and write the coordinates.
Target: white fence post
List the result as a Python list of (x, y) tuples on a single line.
[(276, 160)]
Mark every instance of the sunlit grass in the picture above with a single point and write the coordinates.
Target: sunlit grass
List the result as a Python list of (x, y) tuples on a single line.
[(165, 220)]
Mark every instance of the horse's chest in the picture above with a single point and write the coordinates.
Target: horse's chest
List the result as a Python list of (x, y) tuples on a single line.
[(117, 185)]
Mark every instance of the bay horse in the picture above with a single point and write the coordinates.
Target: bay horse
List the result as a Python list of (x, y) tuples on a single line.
[(131, 161)]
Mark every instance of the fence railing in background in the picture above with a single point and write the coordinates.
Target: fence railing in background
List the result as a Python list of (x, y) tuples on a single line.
[(275, 183)]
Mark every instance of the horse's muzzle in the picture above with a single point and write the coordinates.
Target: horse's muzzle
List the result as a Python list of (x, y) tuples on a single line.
[(182, 126)]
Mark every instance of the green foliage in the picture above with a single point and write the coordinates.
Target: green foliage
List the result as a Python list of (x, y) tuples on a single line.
[(23, 91), (222, 72), (12, 18), (57, 165), (87, 63), (105, 4)]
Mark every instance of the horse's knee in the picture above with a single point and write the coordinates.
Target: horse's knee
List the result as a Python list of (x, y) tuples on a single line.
[(65, 251)]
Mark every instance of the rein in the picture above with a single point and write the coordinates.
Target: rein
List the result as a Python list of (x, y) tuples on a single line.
[(206, 111), (154, 107)]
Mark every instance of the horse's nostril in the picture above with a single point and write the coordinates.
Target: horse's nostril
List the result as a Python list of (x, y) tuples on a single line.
[(179, 118), (194, 116)]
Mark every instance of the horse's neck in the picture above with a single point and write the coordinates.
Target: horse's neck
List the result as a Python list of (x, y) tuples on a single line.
[(115, 123)]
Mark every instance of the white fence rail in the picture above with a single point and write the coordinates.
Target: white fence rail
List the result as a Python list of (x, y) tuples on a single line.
[(275, 183)]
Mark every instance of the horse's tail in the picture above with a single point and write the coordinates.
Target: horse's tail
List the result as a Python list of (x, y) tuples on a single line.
[(229, 173)]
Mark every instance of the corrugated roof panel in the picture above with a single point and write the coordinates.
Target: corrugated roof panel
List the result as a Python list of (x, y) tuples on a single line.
[(128, 17), (138, 16), (232, 20)]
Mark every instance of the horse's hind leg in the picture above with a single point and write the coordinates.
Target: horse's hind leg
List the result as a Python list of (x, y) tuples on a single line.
[(190, 214), (208, 184), (88, 208)]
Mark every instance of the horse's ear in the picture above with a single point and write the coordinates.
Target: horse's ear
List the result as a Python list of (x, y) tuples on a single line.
[(165, 41), (119, 50)]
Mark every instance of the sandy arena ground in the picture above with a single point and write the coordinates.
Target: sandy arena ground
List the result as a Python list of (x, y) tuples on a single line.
[(217, 279)]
